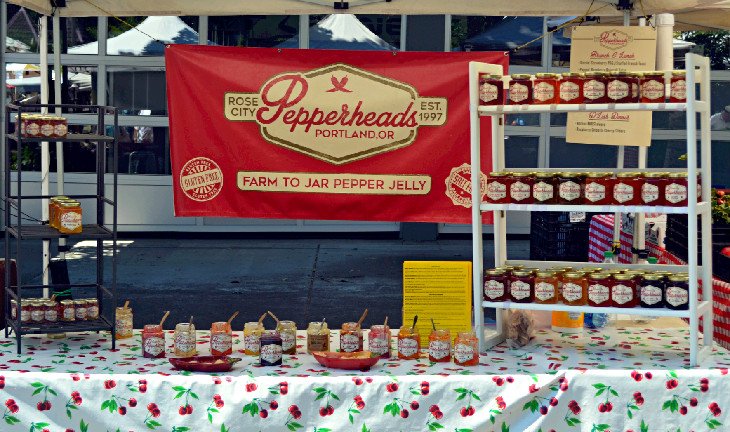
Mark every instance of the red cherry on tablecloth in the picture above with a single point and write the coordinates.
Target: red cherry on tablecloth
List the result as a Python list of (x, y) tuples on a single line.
[(543, 410), (182, 410), (219, 403), (438, 415), (330, 410), (47, 405), (693, 402), (357, 381), (648, 375), (189, 409), (75, 394), (500, 403), (704, 388), (463, 411), (322, 412), (156, 413), (293, 408), (132, 402), (69, 430), (273, 405), (263, 413), (672, 384), (360, 404), (251, 387), (433, 408), (510, 379), (78, 400), (297, 414), (425, 391), (9, 402), (404, 413), (601, 407), (638, 377), (533, 388), (683, 410), (414, 405), (122, 410)]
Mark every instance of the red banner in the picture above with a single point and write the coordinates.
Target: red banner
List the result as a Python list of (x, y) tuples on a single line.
[(319, 134)]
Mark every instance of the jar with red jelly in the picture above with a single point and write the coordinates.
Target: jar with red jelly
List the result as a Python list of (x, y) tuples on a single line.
[(545, 89), (544, 190), (627, 188), (652, 191), (618, 88), (599, 289), (520, 191), (678, 87), (635, 86), (153, 341), (675, 191), (652, 87), (594, 88), (496, 284), (598, 188), (571, 88), (624, 291), (522, 286), (520, 89), (498, 187), (491, 89), (570, 188)]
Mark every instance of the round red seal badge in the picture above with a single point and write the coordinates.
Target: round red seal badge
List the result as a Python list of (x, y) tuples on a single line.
[(458, 185), (201, 179)]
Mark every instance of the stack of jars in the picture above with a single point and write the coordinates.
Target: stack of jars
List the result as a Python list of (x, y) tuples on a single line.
[(591, 286), (43, 126), (577, 88), (38, 311), (592, 188), (465, 346), (65, 215)]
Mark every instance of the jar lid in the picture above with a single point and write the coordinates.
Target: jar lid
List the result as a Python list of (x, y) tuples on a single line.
[(656, 174), (270, 334), (596, 74), (679, 175), (636, 74), (520, 76), (599, 275), (623, 276), (496, 272), (573, 275), (569, 174), (629, 174), (590, 269), (545, 273), (557, 269), (618, 73), (79, 302), (679, 278), (50, 303), (573, 75), (546, 75), (521, 174), (542, 174), (599, 174), (653, 276), (497, 174), (654, 73), (70, 302), (679, 73), (522, 272)]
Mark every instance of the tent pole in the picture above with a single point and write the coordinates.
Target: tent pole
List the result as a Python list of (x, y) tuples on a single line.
[(45, 157), (58, 98), (619, 165)]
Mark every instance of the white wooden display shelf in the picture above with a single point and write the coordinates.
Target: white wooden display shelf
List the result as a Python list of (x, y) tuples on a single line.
[(702, 207), (564, 108), (658, 312)]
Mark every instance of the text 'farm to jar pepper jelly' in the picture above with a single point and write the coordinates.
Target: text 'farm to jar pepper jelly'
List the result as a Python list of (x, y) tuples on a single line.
[(598, 187), (496, 284), (520, 191), (271, 351), (520, 89), (498, 187), (439, 346), (544, 189), (651, 293), (466, 349), (491, 89), (545, 89), (522, 286), (678, 87), (676, 295), (571, 88)]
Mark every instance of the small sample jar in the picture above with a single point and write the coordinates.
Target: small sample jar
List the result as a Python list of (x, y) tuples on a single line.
[(544, 188), (92, 309), (624, 292), (351, 337), (69, 217), (153, 341), (288, 332), (570, 188), (379, 340), (81, 311), (598, 188), (466, 349), (409, 343), (498, 187), (594, 88), (221, 339), (520, 190), (546, 287), (575, 289), (635, 78), (651, 291), (545, 89), (491, 89), (599, 289), (618, 87), (318, 337), (627, 188), (652, 87), (520, 89), (571, 88), (522, 286), (271, 348), (676, 295), (123, 321), (652, 191), (185, 340), (496, 283), (678, 87), (50, 312), (252, 332), (439, 346), (675, 191)]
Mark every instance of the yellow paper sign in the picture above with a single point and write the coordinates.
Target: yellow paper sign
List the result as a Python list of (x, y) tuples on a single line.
[(440, 290)]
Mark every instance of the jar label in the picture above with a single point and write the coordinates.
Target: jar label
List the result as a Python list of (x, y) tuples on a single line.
[(80, 313), (317, 342), (271, 353), (493, 289), (543, 191), (572, 292), (24, 315), (488, 92), (37, 315), (184, 342), (651, 295), (252, 343), (463, 353), (653, 90), (649, 193), (623, 192), (678, 89), (622, 294), (46, 129), (92, 312), (60, 129), (675, 192), (123, 326), (71, 220), (518, 92), (594, 89), (439, 349), (519, 191), (349, 343), (51, 315), (569, 190), (288, 339), (33, 129), (496, 190), (569, 91), (595, 192), (617, 90), (544, 291), (69, 314), (407, 347), (379, 344), (221, 342), (677, 296), (154, 345), (598, 293), (520, 290), (543, 92)]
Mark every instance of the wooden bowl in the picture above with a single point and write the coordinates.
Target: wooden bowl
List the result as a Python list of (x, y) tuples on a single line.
[(204, 363), (359, 360)]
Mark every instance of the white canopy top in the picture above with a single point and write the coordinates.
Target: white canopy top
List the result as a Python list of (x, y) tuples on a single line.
[(341, 31)]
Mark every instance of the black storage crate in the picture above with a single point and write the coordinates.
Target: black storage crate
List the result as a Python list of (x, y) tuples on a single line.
[(676, 243), (553, 237)]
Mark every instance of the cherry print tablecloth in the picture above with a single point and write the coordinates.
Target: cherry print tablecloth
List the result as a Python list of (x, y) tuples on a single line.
[(616, 380)]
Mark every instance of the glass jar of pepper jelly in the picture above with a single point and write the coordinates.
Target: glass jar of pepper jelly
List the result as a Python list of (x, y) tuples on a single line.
[(570, 188), (520, 191), (50, 311), (124, 319), (153, 341), (624, 292), (575, 289), (675, 191), (351, 337), (652, 191), (571, 88), (545, 89), (185, 340), (522, 286), (520, 89), (271, 351), (635, 86), (676, 294), (598, 188), (618, 87), (439, 346), (544, 188), (379, 340), (599, 289), (546, 287), (678, 87), (496, 282), (409, 343), (498, 187), (288, 332), (651, 292), (252, 332), (491, 89), (594, 88), (37, 312), (652, 87), (627, 188), (466, 349), (318, 337), (221, 339)]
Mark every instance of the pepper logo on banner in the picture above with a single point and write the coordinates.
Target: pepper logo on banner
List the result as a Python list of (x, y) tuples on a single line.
[(337, 113)]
